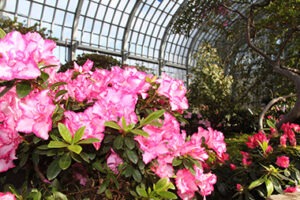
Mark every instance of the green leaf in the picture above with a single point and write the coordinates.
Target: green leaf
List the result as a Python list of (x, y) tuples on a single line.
[(65, 161), (75, 148), (108, 194), (141, 191), (35, 194), (8, 85), (78, 135), (59, 196), (153, 116), (2, 33), (269, 186), (118, 142), (23, 88), (112, 124), (56, 144), (161, 185), (167, 195), (129, 142), (140, 132), (88, 141), (270, 123), (53, 170), (176, 162), (128, 171), (137, 175), (276, 184), (124, 123), (256, 183), (57, 84), (61, 92), (85, 157), (132, 156), (103, 187), (44, 76), (65, 133)]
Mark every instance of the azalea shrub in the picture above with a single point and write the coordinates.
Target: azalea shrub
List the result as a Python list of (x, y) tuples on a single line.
[(268, 163), (90, 133)]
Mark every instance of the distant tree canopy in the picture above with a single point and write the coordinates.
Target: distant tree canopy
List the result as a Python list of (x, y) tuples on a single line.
[(100, 61), (255, 39), (9, 25)]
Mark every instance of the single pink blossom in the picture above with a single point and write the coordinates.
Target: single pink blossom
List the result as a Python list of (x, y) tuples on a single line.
[(175, 91), (185, 183), (94, 124), (113, 161), (232, 166), (212, 138), (204, 181), (283, 161), (246, 160), (37, 109), (291, 189), (239, 187), (7, 196)]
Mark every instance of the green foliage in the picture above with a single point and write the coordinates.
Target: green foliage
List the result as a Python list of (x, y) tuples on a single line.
[(262, 177), (157, 192), (100, 61), (9, 25)]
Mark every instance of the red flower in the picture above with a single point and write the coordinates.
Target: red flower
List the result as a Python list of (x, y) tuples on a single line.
[(283, 161)]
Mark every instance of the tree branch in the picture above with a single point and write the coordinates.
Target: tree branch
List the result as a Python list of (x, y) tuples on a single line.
[(267, 108), (287, 37)]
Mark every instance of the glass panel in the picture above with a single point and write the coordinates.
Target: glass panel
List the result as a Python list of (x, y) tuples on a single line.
[(92, 9), (36, 11), (23, 8), (48, 14)]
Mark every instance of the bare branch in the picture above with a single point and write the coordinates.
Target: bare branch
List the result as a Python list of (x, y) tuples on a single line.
[(268, 106), (288, 36)]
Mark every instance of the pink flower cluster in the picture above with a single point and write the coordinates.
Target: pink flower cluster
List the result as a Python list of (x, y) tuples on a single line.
[(258, 139), (166, 143), (188, 183), (20, 55), (289, 130), (110, 95)]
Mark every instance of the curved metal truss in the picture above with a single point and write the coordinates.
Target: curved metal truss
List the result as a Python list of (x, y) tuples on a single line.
[(134, 32)]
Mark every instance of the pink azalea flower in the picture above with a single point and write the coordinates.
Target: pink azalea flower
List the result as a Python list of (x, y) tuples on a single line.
[(185, 183), (94, 125), (7, 196), (283, 161), (162, 140), (113, 161), (37, 109), (205, 181), (246, 160), (291, 189), (289, 130), (253, 141), (163, 167), (41, 49), (16, 62), (79, 173), (213, 139), (9, 142), (232, 166), (175, 91), (239, 187)]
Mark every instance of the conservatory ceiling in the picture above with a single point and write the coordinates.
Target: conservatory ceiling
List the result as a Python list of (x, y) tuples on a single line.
[(132, 31)]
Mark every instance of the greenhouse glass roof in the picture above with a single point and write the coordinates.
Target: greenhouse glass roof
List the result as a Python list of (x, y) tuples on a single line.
[(134, 32)]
